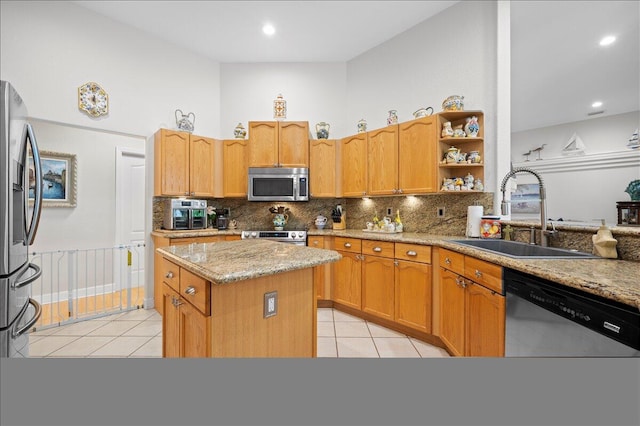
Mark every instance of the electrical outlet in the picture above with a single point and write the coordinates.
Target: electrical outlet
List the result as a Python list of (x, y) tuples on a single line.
[(270, 304), (389, 211), (440, 212)]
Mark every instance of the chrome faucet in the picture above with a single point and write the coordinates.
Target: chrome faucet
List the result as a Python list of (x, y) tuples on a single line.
[(504, 206)]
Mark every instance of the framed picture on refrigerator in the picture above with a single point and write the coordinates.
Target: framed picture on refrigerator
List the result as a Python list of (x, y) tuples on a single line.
[(58, 179)]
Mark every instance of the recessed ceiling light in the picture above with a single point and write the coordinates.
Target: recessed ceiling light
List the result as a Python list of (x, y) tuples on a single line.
[(607, 40), (596, 104), (268, 29)]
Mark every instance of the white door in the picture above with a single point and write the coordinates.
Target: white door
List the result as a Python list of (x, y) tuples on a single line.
[(130, 217)]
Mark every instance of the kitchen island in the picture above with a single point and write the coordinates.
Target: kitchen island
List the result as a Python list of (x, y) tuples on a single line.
[(240, 299)]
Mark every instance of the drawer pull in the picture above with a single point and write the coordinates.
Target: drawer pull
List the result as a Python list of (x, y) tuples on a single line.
[(411, 253), (447, 261), (377, 249), (478, 274), (190, 291), (176, 302), (347, 245), (169, 275), (461, 282), (315, 243)]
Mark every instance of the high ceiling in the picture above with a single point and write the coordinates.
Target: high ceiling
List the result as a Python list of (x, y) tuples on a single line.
[(558, 69)]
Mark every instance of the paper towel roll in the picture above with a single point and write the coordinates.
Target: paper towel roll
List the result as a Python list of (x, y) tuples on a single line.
[(474, 214)]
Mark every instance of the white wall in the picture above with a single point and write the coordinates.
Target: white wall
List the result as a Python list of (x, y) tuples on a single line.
[(49, 49), (453, 53), (314, 92)]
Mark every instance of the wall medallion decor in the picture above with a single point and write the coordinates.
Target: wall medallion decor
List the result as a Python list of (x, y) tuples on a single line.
[(93, 99), (279, 108)]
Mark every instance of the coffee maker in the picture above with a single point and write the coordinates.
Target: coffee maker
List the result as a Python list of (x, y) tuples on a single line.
[(222, 218)]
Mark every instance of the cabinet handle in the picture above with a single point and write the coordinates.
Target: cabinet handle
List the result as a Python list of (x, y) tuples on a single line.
[(411, 253), (364, 193), (347, 245), (190, 291), (377, 249), (315, 243), (169, 275), (478, 274), (394, 191), (193, 193), (176, 302), (396, 263), (447, 261), (399, 191)]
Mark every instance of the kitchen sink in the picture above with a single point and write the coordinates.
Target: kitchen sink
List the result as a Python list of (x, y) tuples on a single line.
[(523, 250)]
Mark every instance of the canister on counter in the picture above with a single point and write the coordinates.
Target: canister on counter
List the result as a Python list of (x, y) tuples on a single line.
[(490, 227)]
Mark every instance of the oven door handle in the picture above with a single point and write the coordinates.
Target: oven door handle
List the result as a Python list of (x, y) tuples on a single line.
[(31, 278), (32, 321)]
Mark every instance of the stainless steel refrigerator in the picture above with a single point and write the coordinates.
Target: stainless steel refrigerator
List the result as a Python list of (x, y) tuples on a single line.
[(18, 224)]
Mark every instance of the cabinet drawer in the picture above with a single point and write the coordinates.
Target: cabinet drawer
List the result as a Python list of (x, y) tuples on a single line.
[(378, 248), (170, 273), (413, 252), (316, 242), (483, 273), (452, 261), (353, 245), (196, 290)]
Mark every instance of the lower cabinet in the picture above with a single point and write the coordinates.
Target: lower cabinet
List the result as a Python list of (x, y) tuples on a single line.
[(322, 273), (472, 306), (347, 272), (377, 279), (413, 294)]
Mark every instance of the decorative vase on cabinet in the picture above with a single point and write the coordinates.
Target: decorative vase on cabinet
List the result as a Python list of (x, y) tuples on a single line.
[(322, 130), (471, 128), (393, 117)]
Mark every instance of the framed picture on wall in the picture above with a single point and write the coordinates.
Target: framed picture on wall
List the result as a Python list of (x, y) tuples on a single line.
[(58, 179)]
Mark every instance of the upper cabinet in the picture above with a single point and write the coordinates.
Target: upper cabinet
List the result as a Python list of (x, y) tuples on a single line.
[(278, 144), (382, 161), (417, 156), (354, 165), (322, 168), (460, 157), (234, 168), (183, 164)]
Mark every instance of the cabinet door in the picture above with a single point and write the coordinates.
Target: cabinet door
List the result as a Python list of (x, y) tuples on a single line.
[(171, 160), (413, 295), (293, 143), (322, 168), (382, 155), (170, 323), (485, 322), (195, 332), (417, 156), (234, 168), (452, 312), (263, 144), (201, 160), (347, 283), (378, 286), (354, 165), (320, 273)]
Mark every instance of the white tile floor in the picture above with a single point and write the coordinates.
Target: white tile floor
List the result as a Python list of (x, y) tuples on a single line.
[(138, 334)]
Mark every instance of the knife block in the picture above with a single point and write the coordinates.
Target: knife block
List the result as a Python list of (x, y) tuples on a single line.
[(343, 222)]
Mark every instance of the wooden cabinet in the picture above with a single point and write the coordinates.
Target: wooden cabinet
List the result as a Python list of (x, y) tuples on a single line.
[(417, 156), (278, 144), (413, 288), (382, 161), (347, 277), (465, 144), (322, 168), (183, 164), (186, 324), (378, 279), (322, 273), (354, 165), (472, 306), (234, 168)]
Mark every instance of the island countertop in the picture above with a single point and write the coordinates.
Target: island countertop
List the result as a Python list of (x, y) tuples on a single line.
[(231, 261)]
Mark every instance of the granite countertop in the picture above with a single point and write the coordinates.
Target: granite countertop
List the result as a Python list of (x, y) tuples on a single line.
[(190, 233), (231, 261), (613, 279)]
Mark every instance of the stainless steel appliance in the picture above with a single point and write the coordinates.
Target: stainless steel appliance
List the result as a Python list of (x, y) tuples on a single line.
[(545, 319), (185, 214), (278, 184), (18, 312), (222, 218), (298, 238)]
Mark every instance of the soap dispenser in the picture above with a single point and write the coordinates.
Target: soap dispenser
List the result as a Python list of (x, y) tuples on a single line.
[(604, 245)]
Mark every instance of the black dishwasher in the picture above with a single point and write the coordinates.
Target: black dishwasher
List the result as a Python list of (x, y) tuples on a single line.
[(546, 319)]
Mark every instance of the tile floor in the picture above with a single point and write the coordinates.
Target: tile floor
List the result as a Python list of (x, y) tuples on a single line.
[(138, 334)]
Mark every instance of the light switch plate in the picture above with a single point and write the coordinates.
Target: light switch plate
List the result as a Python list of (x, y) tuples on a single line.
[(270, 304)]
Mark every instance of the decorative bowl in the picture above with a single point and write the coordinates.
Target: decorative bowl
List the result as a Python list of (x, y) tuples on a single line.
[(453, 103), (634, 190)]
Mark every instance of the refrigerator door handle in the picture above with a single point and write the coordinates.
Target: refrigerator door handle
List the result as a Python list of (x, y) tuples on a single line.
[(37, 204), (31, 278), (32, 321)]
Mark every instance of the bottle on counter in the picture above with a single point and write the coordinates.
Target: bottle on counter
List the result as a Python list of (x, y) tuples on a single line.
[(398, 222)]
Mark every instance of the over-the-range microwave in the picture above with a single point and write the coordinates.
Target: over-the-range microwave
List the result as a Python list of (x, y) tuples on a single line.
[(278, 184)]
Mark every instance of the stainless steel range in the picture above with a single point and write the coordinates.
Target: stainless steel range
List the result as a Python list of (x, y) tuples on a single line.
[(292, 237)]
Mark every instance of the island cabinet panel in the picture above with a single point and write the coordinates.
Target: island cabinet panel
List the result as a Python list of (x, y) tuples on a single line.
[(170, 323), (353, 150), (240, 329), (186, 331), (378, 286), (382, 157)]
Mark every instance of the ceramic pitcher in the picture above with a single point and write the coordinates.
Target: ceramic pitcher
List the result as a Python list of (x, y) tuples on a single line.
[(185, 122)]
